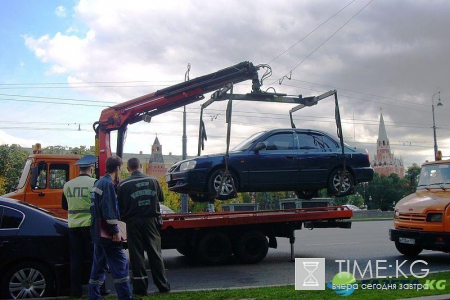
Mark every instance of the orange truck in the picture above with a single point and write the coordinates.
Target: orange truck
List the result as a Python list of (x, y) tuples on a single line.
[(422, 219), (43, 178)]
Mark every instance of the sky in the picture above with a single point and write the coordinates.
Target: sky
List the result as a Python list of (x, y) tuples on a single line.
[(63, 62)]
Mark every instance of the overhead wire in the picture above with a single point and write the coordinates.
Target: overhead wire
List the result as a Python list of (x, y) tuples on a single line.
[(311, 32), (280, 81)]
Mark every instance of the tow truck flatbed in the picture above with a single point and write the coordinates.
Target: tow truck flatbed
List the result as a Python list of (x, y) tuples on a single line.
[(214, 237)]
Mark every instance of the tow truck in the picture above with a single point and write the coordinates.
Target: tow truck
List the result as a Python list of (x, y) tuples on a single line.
[(212, 237), (422, 219)]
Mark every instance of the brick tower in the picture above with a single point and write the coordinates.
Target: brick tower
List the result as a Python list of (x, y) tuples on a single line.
[(384, 162)]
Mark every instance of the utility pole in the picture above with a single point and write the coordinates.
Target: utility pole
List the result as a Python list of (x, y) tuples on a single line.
[(434, 124), (184, 197)]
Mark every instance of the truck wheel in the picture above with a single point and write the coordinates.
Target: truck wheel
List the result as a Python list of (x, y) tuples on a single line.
[(408, 250), (226, 190), (251, 247), (334, 183), (28, 280), (214, 248)]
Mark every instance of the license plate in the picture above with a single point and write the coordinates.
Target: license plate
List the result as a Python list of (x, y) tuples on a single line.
[(407, 241), (167, 177)]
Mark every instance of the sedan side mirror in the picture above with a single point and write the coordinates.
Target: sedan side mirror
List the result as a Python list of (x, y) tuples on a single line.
[(259, 146)]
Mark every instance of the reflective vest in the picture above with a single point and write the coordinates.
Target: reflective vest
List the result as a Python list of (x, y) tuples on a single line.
[(78, 194)]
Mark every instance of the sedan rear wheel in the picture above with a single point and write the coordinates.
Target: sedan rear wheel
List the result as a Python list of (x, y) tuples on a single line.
[(221, 185), (28, 280), (336, 187)]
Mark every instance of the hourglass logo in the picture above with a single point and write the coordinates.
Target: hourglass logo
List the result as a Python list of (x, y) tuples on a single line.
[(310, 273)]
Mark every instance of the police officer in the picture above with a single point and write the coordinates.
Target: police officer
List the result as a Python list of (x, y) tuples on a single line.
[(108, 252), (76, 199), (139, 197)]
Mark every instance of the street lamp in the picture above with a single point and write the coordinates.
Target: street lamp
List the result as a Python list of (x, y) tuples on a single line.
[(434, 124)]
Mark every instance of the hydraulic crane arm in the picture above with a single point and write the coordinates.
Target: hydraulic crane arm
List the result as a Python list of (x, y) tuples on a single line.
[(118, 117)]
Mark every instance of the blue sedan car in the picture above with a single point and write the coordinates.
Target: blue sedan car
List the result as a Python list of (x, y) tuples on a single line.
[(34, 252), (300, 160)]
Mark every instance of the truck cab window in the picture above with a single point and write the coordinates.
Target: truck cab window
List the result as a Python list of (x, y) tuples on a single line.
[(41, 180), (59, 175)]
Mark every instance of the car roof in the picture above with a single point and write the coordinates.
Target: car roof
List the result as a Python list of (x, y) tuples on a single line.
[(23, 205)]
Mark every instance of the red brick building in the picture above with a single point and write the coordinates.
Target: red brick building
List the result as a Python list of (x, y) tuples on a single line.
[(156, 166), (384, 162)]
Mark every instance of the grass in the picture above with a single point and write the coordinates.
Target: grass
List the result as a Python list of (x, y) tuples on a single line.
[(288, 292)]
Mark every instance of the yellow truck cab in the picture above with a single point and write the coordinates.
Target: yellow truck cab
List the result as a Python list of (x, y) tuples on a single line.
[(43, 178), (422, 219)]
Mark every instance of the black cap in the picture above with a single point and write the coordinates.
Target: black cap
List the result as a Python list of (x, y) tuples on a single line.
[(86, 161)]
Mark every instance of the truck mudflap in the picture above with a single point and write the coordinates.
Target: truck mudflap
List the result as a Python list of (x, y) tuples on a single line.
[(328, 224), (427, 240)]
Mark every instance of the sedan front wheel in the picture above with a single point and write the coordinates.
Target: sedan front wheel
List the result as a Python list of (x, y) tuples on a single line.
[(221, 185)]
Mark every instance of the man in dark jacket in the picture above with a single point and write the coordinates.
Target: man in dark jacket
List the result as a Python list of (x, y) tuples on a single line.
[(108, 252), (139, 197)]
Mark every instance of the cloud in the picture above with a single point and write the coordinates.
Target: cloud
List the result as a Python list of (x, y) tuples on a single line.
[(61, 11), (392, 55), (8, 139)]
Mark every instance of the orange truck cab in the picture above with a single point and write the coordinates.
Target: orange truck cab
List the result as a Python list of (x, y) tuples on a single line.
[(43, 178), (422, 219)]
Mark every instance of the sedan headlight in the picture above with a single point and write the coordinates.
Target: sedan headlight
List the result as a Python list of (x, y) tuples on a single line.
[(434, 217), (187, 165)]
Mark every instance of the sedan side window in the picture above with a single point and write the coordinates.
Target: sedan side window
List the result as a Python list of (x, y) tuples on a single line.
[(282, 141), (10, 218), (317, 143)]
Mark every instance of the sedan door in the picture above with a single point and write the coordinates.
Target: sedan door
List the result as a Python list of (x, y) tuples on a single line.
[(275, 167), (318, 154)]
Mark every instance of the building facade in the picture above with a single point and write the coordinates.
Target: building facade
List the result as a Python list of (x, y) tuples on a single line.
[(156, 166), (384, 162)]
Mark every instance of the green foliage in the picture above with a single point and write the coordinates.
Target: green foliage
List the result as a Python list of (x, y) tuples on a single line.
[(171, 199), (82, 150), (54, 150), (412, 175), (385, 191), (12, 160)]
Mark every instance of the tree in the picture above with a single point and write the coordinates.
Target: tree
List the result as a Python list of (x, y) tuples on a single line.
[(386, 191), (412, 175), (54, 150), (12, 160), (171, 199)]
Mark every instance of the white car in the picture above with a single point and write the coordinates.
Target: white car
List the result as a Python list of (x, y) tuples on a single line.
[(165, 209), (352, 207)]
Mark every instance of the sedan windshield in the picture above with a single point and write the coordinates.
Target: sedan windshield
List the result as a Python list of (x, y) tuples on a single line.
[(244, 145)]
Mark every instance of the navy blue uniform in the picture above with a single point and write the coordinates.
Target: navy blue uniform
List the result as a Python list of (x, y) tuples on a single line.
[(106, 252)]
